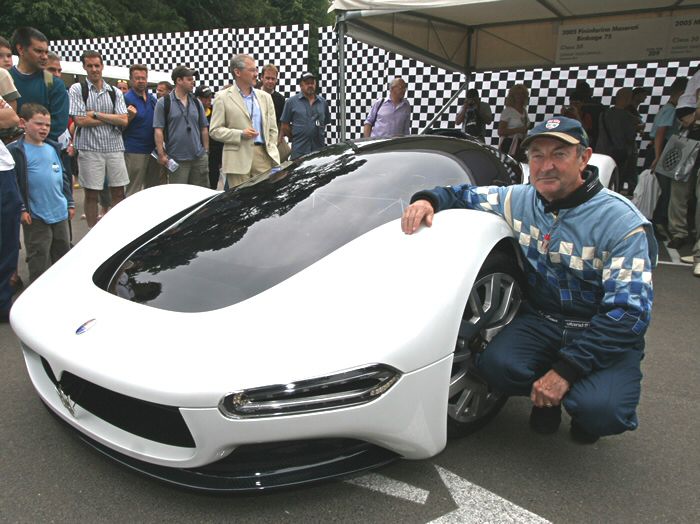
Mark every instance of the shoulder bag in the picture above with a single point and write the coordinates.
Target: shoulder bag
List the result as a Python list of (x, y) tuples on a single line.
[(678, 157)]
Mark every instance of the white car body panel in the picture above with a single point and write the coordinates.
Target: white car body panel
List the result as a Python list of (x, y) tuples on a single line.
[(412, 325), (409, 419)]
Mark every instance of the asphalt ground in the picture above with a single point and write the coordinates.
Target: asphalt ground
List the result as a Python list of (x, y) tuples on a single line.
[(649, 475)]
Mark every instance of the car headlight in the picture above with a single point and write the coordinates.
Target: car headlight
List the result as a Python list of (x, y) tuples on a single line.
[(348, 388)]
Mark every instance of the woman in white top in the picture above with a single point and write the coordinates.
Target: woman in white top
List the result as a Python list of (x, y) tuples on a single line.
[(514, 122)]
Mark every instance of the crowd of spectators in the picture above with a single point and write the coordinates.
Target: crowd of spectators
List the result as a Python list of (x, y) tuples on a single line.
[(114, 140)]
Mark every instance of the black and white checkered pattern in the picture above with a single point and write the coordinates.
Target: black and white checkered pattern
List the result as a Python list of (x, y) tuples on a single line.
[(285, 46), (436, 88), (430, 87), (369, 70), (207, 51), (365, 80)]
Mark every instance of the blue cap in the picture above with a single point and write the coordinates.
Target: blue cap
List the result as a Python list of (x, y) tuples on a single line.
[(562, 128)]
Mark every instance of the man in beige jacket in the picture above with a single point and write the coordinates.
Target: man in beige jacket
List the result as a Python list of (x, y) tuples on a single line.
[(243, 118)]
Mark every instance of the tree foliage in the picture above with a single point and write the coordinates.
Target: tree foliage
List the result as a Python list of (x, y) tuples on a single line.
[(139, 16), (59, 19), (70, 19), (67, 19)]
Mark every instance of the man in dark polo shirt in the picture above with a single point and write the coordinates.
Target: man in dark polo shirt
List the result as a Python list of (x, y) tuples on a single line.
[(305, 118), (182, 132), (270, 74), (139, 143), (269, 84)]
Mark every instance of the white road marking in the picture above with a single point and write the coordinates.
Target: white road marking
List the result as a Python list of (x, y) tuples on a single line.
[(478, 505), (392, 487), (474, 504), (671, 263), (673, 253)]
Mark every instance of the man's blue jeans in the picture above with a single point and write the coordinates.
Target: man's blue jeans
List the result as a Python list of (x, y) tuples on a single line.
[(602, 403)]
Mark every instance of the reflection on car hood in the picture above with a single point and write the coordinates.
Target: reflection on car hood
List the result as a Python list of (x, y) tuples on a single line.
[(247, 240)]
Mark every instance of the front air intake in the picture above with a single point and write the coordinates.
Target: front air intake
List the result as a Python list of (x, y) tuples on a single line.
[(151, 421)]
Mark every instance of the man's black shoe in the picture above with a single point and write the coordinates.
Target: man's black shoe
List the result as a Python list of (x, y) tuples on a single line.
[(545, 420), (660, 232), (677, 242), (580, 435)]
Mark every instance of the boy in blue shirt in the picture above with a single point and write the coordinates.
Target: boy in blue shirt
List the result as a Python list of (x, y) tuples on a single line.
[(45, 189)]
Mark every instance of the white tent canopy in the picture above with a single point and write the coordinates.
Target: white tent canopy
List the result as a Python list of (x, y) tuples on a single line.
[(113, 73), (109, 73), (477, 35)]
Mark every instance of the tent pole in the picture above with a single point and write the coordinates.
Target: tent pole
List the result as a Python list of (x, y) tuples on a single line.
[(462, 88), (341, 78), (445, 107)]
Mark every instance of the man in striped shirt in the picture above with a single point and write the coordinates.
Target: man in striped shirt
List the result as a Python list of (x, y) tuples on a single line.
[(100, 114)]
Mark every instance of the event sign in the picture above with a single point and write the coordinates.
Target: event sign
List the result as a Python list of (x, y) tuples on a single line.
[(632, 40)]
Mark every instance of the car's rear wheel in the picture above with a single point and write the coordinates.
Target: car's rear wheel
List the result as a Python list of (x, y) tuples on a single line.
[(493, 302)]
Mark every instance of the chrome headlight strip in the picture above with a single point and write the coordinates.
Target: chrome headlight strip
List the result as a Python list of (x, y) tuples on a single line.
[(347, 388)]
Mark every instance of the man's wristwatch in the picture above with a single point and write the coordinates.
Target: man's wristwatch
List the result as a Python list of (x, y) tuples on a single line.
[(94, 115)]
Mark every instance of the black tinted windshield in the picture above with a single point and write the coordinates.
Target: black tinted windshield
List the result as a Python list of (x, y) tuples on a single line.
[(245, 241)]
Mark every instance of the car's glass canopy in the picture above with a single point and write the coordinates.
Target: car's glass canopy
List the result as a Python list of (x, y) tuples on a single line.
[(247, 240)]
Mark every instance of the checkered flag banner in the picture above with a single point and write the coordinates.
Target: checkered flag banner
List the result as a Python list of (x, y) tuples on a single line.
[(209, 52), (369, 70)]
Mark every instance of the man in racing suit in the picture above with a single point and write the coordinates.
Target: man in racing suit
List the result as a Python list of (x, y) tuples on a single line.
[(588, 253)]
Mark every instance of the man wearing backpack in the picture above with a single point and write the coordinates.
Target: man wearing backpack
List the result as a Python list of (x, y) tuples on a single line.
[(144, 171), (100, 114), (36, 85), (181, 132)]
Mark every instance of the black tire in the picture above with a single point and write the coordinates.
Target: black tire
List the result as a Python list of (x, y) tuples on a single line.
[(493, 302)]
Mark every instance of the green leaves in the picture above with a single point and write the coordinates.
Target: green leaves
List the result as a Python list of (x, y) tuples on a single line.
[(66, 19), (59, 19)]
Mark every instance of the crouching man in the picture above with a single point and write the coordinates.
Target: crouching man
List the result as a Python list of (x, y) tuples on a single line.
[(588, 253)]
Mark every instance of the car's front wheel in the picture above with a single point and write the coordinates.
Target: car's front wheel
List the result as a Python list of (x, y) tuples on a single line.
[(493, 302)]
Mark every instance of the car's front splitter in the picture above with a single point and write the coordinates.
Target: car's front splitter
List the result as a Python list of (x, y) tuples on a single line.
[(262, 467)]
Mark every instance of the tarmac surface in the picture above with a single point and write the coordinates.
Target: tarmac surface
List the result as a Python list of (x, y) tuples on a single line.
[(503, 473)]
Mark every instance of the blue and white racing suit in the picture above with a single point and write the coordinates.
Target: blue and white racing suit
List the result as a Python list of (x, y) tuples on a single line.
[(589, 296)]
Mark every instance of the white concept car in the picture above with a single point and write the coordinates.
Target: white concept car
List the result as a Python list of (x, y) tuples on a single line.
[(283, 332)]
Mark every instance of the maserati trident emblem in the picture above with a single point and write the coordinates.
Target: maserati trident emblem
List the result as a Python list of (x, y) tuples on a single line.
[(82, 329), (66, 400)]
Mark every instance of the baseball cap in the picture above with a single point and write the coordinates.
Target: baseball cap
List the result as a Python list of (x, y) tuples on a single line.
[(307, 75), (182, 72), (562, 128), (203, 91)]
